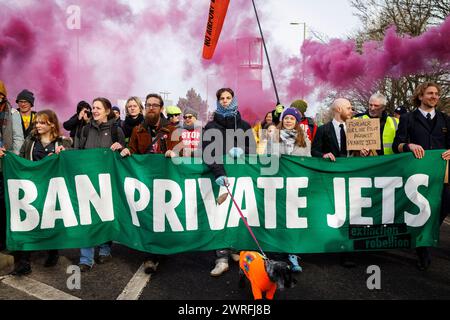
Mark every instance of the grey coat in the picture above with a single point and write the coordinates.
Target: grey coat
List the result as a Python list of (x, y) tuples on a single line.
[(99, 136)]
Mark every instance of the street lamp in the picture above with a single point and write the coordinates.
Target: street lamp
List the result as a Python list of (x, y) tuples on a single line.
[(303, 57), (207, 87), (304, 28)]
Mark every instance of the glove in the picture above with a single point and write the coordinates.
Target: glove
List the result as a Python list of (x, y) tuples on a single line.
[(222, 181), (279, 109), (236, 152)]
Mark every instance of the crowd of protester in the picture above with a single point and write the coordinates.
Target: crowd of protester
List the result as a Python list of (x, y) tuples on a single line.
[(150, 128)]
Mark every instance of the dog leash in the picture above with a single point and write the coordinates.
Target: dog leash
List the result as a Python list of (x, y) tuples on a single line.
[(246, 224)]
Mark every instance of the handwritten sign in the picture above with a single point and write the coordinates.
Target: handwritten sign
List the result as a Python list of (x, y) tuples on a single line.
[(363, 134)]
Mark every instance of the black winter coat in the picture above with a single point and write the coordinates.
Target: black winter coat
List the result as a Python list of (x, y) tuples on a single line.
[(413, 128), (219, 126)]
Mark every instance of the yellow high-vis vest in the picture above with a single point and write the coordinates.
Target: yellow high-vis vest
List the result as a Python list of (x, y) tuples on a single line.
[(390, 129)]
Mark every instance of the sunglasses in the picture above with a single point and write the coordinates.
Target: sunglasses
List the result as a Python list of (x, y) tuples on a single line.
[(187, 117)]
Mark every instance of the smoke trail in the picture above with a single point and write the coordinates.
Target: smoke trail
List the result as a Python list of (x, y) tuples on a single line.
[(338, 64)]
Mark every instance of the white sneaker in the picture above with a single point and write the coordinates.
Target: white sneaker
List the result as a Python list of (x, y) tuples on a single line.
[(235, 257), (220, 268)]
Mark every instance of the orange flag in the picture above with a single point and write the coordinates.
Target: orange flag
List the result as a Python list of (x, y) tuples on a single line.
[(217, 12)]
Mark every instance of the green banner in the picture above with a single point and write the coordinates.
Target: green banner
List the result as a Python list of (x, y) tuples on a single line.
[(149, 203)]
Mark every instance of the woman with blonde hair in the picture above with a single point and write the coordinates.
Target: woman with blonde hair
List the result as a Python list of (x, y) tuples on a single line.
[(45, 139), (134, 116)]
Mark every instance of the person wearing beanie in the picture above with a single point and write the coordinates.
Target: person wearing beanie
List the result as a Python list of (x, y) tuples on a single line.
[(3, 92), (25, 101), (290, 139), (78, 120), (173, 115), (116, 111), (11, 139), (307, 123), (186, 139)]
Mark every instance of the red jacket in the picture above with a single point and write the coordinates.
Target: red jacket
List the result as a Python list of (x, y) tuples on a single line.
[(145, 139), (309, 127)]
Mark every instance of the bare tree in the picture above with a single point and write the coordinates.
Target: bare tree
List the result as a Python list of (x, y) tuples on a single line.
[(411, 17)]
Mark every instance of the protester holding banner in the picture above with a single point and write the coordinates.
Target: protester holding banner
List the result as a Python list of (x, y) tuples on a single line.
[(331, 143), (388, 125), (78, 120), (150, 137), (292, 138), (11, 139), (102, 132), (228, 122), (425, 129), (293, 142), (44, 140), (134, 116)]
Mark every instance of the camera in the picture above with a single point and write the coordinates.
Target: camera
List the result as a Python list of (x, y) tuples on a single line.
[(88, 113)]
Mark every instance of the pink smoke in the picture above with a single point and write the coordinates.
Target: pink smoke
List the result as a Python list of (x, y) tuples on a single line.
[(338, 65)]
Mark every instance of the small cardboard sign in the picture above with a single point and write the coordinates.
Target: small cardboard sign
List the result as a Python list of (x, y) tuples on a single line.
[(363, 134)]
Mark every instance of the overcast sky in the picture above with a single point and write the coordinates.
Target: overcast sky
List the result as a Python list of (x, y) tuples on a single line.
[(333, 19)]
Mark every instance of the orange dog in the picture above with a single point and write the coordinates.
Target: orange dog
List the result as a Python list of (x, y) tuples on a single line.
[(265, 276)]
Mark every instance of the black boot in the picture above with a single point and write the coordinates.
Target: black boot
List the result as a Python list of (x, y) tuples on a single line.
[(22, 269), (424, 258), (52, 259)]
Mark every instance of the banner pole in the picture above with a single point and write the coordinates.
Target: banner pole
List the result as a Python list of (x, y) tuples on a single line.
[(267, 54)]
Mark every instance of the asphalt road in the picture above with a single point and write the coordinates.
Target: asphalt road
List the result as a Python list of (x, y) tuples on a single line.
[(186, 277)]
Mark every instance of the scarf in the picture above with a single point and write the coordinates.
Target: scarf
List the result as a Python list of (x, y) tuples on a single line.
[(231, 111), (134, 122), (288, 137)]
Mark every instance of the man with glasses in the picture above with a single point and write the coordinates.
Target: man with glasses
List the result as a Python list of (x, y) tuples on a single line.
[(388, 125), (25, 101), (150, 137)]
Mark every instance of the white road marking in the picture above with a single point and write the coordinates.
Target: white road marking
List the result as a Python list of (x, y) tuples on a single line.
[(36, 289), (134, 288)]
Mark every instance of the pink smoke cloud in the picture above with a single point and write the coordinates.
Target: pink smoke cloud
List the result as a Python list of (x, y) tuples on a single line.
[(338, 65)]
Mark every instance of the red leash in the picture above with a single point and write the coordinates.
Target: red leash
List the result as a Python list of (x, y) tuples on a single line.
[(246, 224)]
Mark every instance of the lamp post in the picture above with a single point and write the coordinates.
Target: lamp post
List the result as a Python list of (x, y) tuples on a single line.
[(303, 57), (207, 87)]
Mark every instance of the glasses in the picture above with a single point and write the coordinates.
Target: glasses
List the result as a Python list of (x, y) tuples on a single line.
[(187, 117), (152, 105)]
